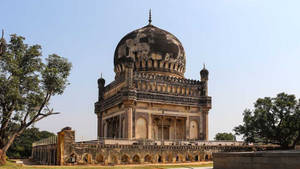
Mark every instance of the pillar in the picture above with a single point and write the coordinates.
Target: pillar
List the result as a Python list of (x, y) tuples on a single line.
[(129, 118), (100, 130), (175, 137), (149, 126), (205, 124), (162, 128), (65, 142), (187, 127)]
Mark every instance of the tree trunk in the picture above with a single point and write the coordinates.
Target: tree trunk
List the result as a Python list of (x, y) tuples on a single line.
[(296, 141), (2, 157), (5, 148)]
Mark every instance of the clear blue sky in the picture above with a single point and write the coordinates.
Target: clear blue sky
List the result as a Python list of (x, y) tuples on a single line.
[(251, 49)]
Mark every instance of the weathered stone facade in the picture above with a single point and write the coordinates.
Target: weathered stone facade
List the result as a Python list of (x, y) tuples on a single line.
[(65, 151), (150, 98), (150, 113)]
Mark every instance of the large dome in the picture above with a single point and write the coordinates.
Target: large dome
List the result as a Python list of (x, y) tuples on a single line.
[(152, 50)]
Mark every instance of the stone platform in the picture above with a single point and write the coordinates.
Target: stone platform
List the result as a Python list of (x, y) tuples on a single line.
[(257, 160)]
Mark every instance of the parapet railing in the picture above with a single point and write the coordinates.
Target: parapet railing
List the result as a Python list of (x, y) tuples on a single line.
[(126, 141), (46, 141)]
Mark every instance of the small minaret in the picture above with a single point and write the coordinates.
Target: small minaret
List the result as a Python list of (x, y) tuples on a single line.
[(204, 79), (101, 84)]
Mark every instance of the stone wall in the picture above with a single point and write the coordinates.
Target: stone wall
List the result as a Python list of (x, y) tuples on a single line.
[(136, 151), (45, 151), (257, 160)]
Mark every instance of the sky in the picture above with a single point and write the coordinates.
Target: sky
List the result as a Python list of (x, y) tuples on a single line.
[(250, 47)]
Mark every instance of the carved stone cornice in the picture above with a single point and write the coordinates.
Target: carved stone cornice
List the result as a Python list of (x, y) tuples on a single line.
[(128, 97)]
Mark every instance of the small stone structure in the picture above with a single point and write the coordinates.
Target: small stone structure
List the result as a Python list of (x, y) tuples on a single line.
[(257, 160)]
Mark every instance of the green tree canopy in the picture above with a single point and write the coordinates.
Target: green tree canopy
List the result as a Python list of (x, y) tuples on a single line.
[(22, 145), (26, 86), (225, 136), (273, 120)]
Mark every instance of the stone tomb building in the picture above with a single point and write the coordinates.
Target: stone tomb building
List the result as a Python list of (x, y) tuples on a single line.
[(150, 98), (150, 113)]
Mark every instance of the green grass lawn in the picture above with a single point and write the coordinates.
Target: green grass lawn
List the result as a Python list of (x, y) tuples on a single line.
[(11, 165)]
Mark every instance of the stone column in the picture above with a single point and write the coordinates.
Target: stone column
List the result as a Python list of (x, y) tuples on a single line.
[(65, 142), (100, 130), (129, 118), (175, 128), (120, 127), (205, 124), (162, 128), (187, 127), (49, 157), (149, 126)]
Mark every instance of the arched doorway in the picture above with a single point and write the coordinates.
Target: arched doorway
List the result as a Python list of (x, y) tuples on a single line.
[(113, 159), (206, 157), (159, 159), (169, 158), (136, 159), (196, 158), (125, 159), (99, 158), (73, 158), (189, 157), (87, 159), (148, 159)]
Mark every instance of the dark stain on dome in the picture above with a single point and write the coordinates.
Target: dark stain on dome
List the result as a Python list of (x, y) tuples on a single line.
[(149, 42)]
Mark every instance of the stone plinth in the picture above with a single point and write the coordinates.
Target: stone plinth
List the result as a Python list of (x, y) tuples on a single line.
[(257, 160)]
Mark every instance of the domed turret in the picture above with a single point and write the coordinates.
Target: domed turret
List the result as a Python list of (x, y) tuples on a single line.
[(204, 74), (101, 87), (152, 50)]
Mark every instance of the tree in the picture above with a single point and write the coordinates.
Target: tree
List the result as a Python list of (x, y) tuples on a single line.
[(273, 120), (26, 87), (22, 145), (225, 136)]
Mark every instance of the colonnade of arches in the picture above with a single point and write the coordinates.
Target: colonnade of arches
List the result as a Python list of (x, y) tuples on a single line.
[(144, 158)]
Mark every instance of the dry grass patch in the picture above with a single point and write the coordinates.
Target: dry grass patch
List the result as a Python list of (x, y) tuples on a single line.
[(11, 165)]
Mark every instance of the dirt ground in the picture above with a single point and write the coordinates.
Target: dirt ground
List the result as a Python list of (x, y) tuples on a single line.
[(28, 164)]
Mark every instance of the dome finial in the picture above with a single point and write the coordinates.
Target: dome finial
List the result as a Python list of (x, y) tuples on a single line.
[(203, 65), (150, 19)]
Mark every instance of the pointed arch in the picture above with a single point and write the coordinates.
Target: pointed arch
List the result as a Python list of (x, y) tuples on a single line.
[(99, 158), (148, 158), (125, 159), (136, 159)]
